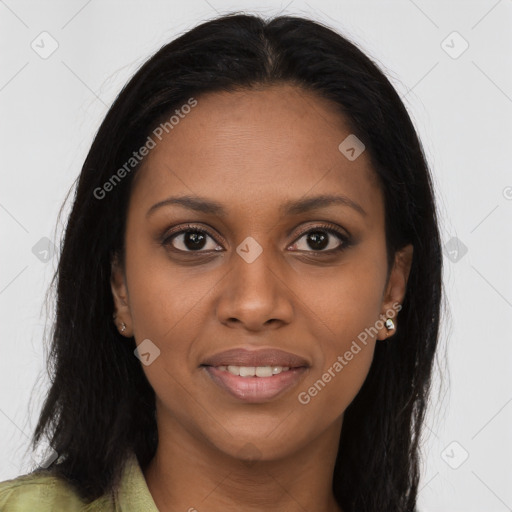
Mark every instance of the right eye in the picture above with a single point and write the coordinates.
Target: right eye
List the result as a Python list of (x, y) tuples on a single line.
[(191, 239)]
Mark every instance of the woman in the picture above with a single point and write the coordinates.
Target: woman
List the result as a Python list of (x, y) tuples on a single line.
[(249, 287)]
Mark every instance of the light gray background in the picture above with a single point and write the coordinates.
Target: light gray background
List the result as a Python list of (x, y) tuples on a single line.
[(461, 105)]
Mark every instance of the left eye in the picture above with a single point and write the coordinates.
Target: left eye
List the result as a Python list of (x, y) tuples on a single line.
[(320, 240)]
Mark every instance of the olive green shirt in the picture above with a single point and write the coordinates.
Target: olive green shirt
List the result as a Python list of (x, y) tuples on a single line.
[(45, 493)]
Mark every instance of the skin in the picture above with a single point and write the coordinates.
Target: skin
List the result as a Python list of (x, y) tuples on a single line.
[(252, 150)]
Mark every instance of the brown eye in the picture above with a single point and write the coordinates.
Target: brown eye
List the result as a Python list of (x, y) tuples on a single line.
[(323, 239), (191, 240)]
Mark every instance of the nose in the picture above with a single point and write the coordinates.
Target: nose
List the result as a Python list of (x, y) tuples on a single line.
[(255, 295)]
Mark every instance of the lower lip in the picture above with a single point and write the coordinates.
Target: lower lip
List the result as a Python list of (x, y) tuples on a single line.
[(255, 389)]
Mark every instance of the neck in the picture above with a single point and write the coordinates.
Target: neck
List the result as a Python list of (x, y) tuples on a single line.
[(188, 473)]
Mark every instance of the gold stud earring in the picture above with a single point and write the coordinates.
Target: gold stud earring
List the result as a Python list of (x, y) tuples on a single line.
[(389, 324)]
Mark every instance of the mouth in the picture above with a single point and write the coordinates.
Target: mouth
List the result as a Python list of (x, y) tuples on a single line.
[(255, 376), (254, 371), (252, 388), (242, 357)]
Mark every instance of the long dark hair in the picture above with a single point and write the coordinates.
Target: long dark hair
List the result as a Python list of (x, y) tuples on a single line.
[(100, 404)]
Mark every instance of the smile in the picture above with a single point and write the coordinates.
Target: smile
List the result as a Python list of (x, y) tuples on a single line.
[(255, 384), (254, 371)]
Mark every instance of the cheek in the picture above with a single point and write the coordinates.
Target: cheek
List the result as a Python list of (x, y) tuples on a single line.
[(166, 308), (330, 390), (349, 307), (162, 296), (347, 355), (170, 308)]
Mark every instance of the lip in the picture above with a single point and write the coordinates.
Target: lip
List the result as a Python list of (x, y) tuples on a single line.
[(256, 389), (256, 357)]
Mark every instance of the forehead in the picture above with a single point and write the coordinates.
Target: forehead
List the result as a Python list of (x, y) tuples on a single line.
[(256, 145)]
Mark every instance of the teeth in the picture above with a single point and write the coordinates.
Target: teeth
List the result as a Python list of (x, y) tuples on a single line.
[(254, 371)]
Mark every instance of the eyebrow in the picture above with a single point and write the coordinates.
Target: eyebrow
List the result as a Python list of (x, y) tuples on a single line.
[(291, 207)]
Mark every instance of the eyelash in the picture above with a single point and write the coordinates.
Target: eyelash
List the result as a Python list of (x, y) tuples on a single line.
[(328, 228)]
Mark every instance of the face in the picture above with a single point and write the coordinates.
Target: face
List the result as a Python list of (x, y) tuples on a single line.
[(249, 273)]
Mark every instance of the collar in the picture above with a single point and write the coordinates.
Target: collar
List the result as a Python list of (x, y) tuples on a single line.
[(133, 492)]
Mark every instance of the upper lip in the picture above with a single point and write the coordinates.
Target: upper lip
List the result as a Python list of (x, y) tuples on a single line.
[(255, 357)]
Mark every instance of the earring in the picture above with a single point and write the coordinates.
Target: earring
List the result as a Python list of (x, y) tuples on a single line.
[(123, 327), (389, 324)]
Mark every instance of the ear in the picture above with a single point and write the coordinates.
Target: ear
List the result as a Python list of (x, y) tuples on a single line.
[(122, 312), (396, 289)]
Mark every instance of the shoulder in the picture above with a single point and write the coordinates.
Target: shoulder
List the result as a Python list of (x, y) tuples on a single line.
[(38, 491), (43, 491)]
